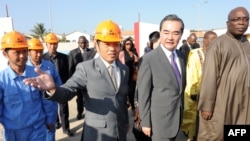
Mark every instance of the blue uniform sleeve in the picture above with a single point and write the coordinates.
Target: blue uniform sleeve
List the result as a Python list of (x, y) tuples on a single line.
[(1, 102), (50, 108)]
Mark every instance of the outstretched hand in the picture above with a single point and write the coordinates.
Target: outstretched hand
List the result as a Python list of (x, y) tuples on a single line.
[(43, 81)]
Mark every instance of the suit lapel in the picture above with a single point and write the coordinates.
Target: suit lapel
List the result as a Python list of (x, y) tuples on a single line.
[(104, 72), (122, 73), (79, 55), (165, 63), (182, 65)]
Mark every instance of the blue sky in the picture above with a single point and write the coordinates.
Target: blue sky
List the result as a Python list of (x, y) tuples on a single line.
[(83, 15)]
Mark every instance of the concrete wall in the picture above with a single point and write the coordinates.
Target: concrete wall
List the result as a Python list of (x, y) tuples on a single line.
[(6, 25)]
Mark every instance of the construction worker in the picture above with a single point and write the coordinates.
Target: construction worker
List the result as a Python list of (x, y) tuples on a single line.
[(35, 51), (106, 81), (60, 61), (22, 107)]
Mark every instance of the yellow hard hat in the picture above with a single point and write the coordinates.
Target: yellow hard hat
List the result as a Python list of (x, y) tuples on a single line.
[(108, 31), (13, 39), (35, 44), (51, 38)]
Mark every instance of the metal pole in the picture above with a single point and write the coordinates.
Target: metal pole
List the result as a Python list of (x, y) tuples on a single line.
[(199, 13), (51, 28)]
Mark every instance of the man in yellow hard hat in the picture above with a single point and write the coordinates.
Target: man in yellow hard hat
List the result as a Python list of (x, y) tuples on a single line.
[(60, 61), (22, 107), (35, 51), (106, 81)]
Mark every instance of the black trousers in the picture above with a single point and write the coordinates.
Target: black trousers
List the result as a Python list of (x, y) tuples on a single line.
[(80, 102), (131, 93), (64, 115)]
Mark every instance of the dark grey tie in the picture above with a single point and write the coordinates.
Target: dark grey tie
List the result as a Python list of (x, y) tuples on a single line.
[(112, 75)]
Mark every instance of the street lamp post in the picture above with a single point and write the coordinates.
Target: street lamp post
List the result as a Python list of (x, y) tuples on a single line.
[(199, 13), (51, 28)]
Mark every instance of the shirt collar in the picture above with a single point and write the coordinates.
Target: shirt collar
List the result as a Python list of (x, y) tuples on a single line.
[(53, 55), (167, 52), (107, 64), (82, 50), (189, 45), (13, 75)]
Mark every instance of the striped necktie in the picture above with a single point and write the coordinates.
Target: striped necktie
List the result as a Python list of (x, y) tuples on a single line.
[(112, 75), (175, 69)]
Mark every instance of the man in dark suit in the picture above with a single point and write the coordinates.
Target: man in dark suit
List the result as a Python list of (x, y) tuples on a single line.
[(106, 116), (92, 53), (189, 45), (60, 61), (161, 83), (76, 56)]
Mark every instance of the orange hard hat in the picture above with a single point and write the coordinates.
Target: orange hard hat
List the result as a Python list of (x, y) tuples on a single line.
[(51, 38), (13, 39), (35, 44), (108, 31)]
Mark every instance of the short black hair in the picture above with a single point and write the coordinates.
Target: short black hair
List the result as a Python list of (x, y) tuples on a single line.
[(172, 17)]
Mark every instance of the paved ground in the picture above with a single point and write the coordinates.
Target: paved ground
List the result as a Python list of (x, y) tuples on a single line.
[(76, 127)]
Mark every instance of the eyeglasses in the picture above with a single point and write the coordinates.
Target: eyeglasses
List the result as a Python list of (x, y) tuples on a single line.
[(128, 44), (239, 19)]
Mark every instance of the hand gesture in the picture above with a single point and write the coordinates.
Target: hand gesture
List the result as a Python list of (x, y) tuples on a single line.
[(43, 81)]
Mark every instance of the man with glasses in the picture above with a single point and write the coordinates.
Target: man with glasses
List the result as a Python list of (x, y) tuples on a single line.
[(224, 96)]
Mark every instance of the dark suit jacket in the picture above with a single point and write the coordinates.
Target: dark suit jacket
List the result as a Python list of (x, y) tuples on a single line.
[(61, 65), (90, 54), (106, 108), (75, 57), (185, 50), (160, 98)]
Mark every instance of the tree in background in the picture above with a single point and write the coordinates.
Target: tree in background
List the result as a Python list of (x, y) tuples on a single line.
[(39, 31), (63, 39)]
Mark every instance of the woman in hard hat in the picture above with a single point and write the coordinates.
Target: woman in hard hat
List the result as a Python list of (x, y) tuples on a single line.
[(106, 117), (35, 51), (22, 107)]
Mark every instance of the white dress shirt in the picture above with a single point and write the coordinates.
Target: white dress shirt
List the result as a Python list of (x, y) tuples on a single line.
[(116, 71), (168, 54)]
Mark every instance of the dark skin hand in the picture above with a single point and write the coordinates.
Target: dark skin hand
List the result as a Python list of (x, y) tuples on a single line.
[(206, 115), (50, 126)]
